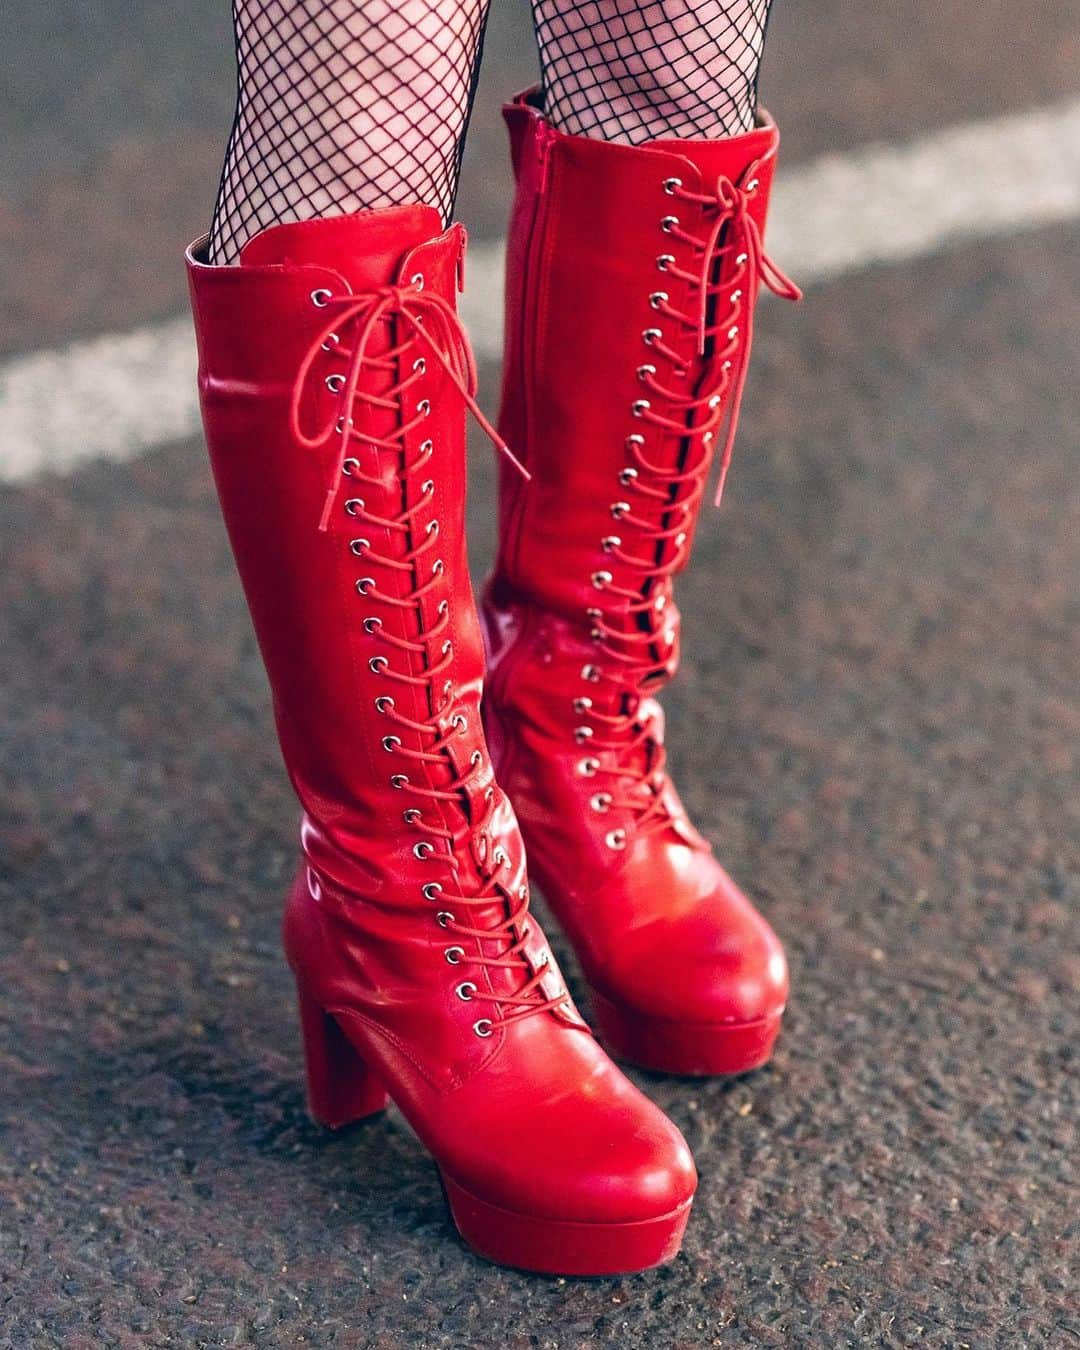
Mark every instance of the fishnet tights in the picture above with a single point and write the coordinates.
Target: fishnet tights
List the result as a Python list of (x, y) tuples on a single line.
[(634, 70), (344, 105)]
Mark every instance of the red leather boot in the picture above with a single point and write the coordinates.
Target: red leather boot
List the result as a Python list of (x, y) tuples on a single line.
[(632, 276), (333, 378)]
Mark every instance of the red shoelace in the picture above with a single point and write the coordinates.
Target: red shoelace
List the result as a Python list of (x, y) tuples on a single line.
[(431, 329), (636, 647)]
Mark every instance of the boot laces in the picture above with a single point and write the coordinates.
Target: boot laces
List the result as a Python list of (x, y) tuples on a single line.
[(377, 382), (635, 640)]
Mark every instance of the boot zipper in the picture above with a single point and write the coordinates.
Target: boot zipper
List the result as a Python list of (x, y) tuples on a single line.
[(527, 319)]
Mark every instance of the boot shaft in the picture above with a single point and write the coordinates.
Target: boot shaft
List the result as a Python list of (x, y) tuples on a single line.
[(632, 273), (324, 406)]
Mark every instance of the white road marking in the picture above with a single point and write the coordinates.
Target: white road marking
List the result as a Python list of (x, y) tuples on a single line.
[(120, 395)]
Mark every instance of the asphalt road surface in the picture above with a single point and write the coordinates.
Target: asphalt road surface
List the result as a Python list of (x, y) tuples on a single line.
[(878, 722)]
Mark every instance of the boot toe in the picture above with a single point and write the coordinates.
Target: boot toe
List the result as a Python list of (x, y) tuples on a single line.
[(592, 1179), (700, 990)]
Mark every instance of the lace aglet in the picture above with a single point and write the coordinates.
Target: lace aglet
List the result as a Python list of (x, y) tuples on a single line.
[(725, 464), (328, 506), (505, 450)]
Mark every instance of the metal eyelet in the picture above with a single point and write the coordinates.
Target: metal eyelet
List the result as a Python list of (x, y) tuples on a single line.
[(610, 543), (588, 767), (372, 625), (600, 801), (482, 1027), (454, 955), (736, 294), (348, 465), (752, 186), (335, 383), (615, 839), (433, 527), (411, 815), (419, 365), (591, 674), (640, 407), (643, 372), (330, 342), (390, 743), (443, 607), (476, 759), (365, 585), (384, 703), (465, 990), (417, 280), (668, 223), (733, 331), (431, 890), (680, 539), (459, 722), (741, 258), (427, 487), (321, 297), (583, 734), (444, 918), (582, 705), (427, 446), (423, 850), (601, 579), (620, 509), (626, 477), (658, 298), (671, 185), (651, 335), (424, 407), (499, 856), (377, 664), (714, 402), (664, 261), (438, 567), (399, 780), (358, 546)]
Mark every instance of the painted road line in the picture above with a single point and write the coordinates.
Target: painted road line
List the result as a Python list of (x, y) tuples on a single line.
[(118, 396)]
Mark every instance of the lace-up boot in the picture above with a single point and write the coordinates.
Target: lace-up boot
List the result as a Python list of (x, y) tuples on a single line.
[(334, 375), (631, 280)]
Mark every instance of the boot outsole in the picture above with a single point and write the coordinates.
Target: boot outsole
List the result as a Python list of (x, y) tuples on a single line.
[(676, 1046)]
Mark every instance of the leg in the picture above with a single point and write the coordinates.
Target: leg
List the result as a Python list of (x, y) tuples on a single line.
[(636, 70), (632, 276), (344, 105), (334, 377)]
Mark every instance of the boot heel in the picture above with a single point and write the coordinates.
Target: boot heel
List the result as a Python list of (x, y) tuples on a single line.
[(340, 1086)]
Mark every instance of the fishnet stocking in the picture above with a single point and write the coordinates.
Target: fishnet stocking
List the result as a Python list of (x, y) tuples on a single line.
[(634, 70), (344, 105)]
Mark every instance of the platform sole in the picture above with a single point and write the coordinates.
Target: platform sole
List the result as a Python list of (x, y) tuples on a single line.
[(343, 1090), (694, 1049), (561, 1246)]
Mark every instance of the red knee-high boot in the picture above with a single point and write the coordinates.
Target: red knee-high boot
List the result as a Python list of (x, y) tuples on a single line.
[(632, 277), (334, 376)]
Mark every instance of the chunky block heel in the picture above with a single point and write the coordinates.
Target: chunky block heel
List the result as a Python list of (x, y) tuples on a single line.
[(340, 1086)]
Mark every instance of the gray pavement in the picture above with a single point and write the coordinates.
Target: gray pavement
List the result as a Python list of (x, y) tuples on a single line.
[(878, 723)]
